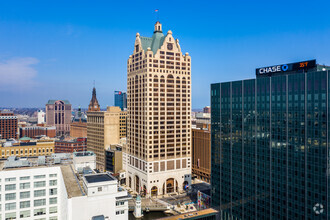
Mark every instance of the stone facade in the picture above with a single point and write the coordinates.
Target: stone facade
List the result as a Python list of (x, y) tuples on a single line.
[(159, 111), (58, 114)]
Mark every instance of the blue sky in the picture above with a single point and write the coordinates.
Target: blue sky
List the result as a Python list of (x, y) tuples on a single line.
[(56, 49)]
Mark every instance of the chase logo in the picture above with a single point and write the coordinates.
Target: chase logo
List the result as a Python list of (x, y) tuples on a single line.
[(285, 67)]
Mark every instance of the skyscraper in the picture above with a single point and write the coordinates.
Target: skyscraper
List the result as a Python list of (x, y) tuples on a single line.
[(121, 99), (270, 144), (159, 109), (58, 114)]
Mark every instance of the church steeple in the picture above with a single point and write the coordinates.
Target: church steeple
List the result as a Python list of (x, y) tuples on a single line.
[(94, 104)]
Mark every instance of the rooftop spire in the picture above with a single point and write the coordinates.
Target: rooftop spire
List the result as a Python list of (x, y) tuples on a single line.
[(94, 104), (158, 27)]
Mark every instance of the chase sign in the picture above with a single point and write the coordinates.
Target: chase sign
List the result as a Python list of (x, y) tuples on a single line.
[(268, 71)]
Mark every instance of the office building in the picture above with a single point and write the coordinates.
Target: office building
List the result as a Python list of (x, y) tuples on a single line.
[(8, 125), (78, 127), (102, 131), (270, 144), (201, 153), (159, 109), (58, 114), (27, 147), (207, 109), (71, 145), (121, 100), (114, 159), (37, 131), (123, 124), (48, 188), (41, 115)]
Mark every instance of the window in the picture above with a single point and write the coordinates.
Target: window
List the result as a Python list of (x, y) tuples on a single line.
[(99, 189), (10, 187), (38, 193), (53, 210), (53, 175), (53, 218), (122, 212), (24, 185), (10, 196), (39, 211), (25, 204), (52, 182), (39, 202), (10, 216), (24, 195), (39, 176), (24, 214), (24, 178), (52, 192), (10, 206), (10, 179), (117, 212), (53, 201), (39, 184)]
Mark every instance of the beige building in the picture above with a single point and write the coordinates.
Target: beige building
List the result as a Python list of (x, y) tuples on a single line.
[(159, 111), (27, 148), (102, 131), (123, 124)]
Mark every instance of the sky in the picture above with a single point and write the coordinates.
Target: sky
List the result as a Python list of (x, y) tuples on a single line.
[(56, 49)]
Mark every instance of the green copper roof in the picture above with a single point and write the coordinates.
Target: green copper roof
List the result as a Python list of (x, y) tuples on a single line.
[(53, 101), (25, 138), (154, 42)]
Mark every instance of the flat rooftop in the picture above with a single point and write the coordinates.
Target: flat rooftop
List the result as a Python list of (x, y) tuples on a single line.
[(193, 215), (96, 178), (83, 153)]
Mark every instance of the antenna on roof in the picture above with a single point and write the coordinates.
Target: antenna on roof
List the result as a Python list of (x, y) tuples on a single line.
[(94, 83)]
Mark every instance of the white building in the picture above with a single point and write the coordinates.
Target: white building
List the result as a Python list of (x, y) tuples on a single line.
[(41, 117), (41, 189), (159, 111)]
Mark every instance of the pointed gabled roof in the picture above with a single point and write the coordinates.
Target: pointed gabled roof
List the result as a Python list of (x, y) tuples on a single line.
[(94, 104)]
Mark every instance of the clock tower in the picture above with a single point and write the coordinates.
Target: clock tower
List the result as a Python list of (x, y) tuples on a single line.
[(94, 104)]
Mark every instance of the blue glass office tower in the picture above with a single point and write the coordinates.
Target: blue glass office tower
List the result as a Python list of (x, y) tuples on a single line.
[(121, 99), (270, 145)]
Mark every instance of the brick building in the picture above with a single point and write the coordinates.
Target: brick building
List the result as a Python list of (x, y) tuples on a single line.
[(70, 146), (201, 153), (8, 125), (34, 131), (78, 127)]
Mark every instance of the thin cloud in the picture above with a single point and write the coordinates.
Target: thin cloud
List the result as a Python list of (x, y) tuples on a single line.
[(18, 73)]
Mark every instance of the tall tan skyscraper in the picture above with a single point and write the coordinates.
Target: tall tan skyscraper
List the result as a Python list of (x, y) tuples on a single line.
[(159, 109)]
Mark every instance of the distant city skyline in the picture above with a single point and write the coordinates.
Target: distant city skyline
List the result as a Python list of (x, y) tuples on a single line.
[(56, 51)]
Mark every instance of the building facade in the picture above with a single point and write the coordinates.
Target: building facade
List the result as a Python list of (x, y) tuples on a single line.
[(123, 124), (78, 127), (8, 125), (121, 100), (201, 154), (38, 189), (41, 117), (70, 146), (270, 145), (35, 131), (102, 130), (27, 149), (114, 159), (159, 109), (58, 114)]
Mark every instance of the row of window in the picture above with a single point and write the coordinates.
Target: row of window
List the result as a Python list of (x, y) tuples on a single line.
[(27, 204)]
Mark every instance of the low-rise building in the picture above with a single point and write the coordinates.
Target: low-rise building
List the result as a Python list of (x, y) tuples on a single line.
[(70, 145), (114, 159), (27, 147), (50, 188), (35, 131)]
